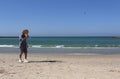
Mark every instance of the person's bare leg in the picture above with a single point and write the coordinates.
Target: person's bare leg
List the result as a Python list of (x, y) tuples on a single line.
[(20, 57), (26, 55)]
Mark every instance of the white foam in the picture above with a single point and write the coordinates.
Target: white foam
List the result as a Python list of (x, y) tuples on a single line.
[(59, 46), (7, 46), (36, 46)]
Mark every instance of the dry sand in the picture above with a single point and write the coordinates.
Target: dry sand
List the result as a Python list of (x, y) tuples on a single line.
[(58, 66)]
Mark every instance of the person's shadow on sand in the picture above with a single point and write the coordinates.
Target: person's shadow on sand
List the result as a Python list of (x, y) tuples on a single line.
[(50, 61)]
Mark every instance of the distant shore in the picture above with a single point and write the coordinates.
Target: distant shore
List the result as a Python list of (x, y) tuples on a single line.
[(115, 36), (8, 36)]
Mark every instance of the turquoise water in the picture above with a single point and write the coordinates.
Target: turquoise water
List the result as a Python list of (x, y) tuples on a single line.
[(62, 42), (64, 45)]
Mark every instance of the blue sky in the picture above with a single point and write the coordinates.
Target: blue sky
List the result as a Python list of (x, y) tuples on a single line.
[(60, 17)]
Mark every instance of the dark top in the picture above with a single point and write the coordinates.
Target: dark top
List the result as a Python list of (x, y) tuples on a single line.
[(23, 43)]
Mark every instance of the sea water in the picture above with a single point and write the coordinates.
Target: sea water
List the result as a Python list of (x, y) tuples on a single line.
[(85, 45)]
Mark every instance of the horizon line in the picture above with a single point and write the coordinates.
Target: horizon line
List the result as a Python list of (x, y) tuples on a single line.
[(57, 36)]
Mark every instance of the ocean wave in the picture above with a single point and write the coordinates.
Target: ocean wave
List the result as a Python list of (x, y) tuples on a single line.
[(47, 46), (12, 46), (59, 46), (36, 46), (62, 46)]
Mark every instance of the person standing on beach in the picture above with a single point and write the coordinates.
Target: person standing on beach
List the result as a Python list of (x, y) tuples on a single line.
[(23, 45)]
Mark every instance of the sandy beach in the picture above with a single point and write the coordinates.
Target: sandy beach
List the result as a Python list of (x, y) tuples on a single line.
[(60, 66)]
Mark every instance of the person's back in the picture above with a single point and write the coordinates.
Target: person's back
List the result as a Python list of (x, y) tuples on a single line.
[(23, 43), (23, 46)]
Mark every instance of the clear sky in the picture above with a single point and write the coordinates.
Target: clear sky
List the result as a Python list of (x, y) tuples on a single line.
[(60, 17)]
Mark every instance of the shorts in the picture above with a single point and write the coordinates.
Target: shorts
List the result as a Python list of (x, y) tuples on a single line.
[(23, 50)]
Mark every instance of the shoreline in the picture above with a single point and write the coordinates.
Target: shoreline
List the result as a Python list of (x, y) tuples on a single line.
[(76, 51)]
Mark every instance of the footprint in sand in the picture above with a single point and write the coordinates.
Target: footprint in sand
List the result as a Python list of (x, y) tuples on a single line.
[(114, 71), (2, 71)]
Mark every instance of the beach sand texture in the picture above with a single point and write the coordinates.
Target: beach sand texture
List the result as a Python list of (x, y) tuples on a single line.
[(59, 66)]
